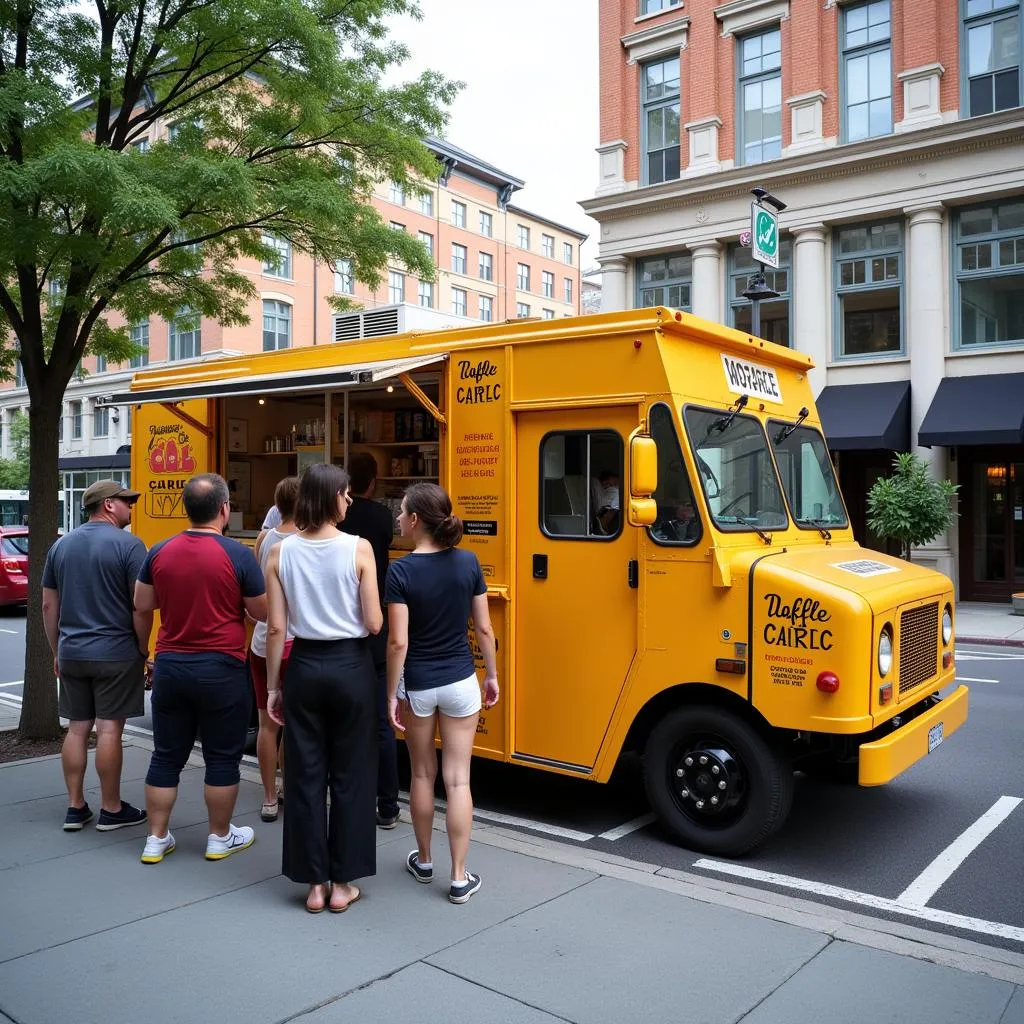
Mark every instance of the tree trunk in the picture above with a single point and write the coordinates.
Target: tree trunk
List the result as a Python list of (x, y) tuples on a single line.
[(39, 720)]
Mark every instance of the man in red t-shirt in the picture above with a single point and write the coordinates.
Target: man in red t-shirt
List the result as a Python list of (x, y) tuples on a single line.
[(203, 585)]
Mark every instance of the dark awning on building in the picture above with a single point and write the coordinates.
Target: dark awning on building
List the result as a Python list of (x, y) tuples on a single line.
[(122, 459), (865, 417), (984, 409)]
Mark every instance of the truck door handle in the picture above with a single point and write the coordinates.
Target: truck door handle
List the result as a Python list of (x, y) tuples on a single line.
[(633, 574), (540, 567)]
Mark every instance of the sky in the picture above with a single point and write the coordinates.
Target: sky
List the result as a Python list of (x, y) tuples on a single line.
[(530, 102)]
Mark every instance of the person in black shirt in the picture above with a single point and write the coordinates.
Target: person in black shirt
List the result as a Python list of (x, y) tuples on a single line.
[(373, 522)]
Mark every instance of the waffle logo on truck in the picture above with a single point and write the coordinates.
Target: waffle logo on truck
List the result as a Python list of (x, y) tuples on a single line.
[(800, 624), (171, 462), (476, 384), (743, 378)]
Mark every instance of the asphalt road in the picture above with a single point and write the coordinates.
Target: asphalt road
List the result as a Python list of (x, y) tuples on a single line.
[(914, 850)]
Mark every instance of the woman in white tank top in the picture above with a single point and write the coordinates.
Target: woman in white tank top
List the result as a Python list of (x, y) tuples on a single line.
[(322, 587)]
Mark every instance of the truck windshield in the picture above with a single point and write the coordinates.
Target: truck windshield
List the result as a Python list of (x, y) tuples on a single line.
[(807, 475), (736, 470)]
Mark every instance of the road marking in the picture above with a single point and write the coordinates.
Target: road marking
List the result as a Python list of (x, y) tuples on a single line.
[(13, 632), (16, 682), (865, 899), (968, 679), (928, 883), (631, 826)]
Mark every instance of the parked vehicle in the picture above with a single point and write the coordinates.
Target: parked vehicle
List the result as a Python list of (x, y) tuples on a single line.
[(13, 565)]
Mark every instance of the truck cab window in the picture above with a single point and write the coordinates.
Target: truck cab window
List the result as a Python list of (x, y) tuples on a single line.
[(807, 475), (677, 522), (736, 470), (581, 484)]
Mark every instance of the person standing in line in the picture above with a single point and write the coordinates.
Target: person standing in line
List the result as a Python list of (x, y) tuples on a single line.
[(204, 585), (371, 520), (100, 644), (322, 583), (431, 594), (285, 496)]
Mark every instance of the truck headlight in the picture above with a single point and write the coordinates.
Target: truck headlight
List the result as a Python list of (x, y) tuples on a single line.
[(947, 625), (885, 651)]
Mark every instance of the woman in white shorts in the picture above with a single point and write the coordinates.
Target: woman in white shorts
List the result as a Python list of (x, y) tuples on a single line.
[(430, 594)]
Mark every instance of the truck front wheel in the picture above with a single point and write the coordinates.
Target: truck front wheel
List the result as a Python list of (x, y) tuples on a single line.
[(715, 782)]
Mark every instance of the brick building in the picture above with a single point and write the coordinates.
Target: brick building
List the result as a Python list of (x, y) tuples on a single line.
[(493, 261), (894, 132)]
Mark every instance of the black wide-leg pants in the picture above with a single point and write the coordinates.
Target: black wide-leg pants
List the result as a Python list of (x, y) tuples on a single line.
[(330, 741)]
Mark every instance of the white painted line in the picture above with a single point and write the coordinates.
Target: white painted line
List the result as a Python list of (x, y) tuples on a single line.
[(631, 826), (15, 682), (865, 899), (13, 632), (968, 679), (928, 883)]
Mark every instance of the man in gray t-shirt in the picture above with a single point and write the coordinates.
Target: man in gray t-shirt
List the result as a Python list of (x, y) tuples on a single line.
[(100, 645)]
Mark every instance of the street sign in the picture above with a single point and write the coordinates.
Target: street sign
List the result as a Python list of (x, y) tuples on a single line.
[(764, 230)]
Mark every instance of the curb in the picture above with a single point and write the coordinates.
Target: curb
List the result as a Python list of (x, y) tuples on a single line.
[(989, 641)]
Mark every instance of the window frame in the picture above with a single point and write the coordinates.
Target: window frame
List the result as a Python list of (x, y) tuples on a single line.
[(520, 277), (488, 217), (849, 53), (648, 105), (601, 537), (547, 284), (731, 274), (676, 282), (173, 334), (340, 277), (520, 306), (689, 479), (457, 217), (396, 194), (281, 269), (568, 291), (649, 8), (567, 250), (968, 22), (394, 275), (752, 79), (420, 286), (464, 311), (460, 255), (75, 413), (281, 305), (142, 326), (427, 241), (489, 299), (489, 257), (547, 245), (522, 234), (101, 415), (427, 204)]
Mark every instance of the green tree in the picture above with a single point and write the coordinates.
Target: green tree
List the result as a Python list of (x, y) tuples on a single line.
[(14, 471), (910, 506), (281, 121)]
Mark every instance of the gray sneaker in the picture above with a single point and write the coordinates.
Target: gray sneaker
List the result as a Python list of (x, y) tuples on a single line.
[(461, 891)]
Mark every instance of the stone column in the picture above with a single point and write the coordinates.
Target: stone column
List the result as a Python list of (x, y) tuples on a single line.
[(811, 293), (613, 284), (926, 344), (706, 290)]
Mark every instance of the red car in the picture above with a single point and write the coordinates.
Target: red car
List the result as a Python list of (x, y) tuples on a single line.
[(13, 565)]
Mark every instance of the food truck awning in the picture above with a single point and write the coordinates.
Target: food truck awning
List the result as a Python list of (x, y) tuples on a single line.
[(239, 382)]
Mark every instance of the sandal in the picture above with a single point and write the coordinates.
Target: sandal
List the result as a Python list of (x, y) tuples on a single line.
[(269, 812), (323, 906), (341, 910)]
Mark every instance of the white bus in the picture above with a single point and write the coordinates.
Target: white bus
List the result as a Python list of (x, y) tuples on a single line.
[(15, 510)]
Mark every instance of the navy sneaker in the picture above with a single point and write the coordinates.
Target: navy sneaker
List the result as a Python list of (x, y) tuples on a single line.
[(128, 815), (461, 891), (412, 865), (77, 818), (387, 821)]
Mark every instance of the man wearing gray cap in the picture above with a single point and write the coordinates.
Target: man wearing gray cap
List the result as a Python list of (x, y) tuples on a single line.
[(100, 645)]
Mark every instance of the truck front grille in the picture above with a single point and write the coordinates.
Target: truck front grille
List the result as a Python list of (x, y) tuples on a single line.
[(919, 646)]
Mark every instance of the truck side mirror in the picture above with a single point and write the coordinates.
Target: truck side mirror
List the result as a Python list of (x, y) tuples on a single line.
[(643, 466), (642, 511)]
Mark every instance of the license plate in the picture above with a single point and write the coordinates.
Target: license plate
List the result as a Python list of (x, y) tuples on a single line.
[(934, 737)]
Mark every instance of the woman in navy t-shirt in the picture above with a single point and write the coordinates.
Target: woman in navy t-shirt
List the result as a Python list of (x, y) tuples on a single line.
[(431, 594)]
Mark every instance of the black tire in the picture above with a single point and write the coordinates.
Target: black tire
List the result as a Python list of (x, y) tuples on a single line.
[(759, 780)]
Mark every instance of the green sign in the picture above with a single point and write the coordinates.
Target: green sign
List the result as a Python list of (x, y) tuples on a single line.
[(764, 236)]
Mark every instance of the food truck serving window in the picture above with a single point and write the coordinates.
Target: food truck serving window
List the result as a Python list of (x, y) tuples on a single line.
[(807, 475), (677, 522), (736, 470), (581, 484)]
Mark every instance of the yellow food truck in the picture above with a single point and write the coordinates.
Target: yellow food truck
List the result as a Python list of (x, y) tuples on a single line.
[(669, 561)]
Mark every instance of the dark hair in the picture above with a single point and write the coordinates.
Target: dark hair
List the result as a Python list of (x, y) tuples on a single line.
[(91, 510), (434, 508), (204, 496), (319, 488), (286, 494), (362, 468)]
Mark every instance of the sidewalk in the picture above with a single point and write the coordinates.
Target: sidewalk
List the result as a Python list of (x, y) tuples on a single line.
[(980, 623), (558, 933)]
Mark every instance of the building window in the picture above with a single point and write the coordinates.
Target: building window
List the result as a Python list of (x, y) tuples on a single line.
[(522, 309), (396, 194), (139, 337), (459, 304), (425, 294), (101, 364), (458, 258), (428, 242), (775, 315), (522, 277), (344, 283), (458, 214), (486, 308), (19, 374), (990, 274), (186, 339), (277, 325), (100, 421), (396, 287), (141, 147), (869, 289), (75, 412), (427, 204), (653, 6), (279, 265), (568, 289), (486, 224), (867, 71), (659, 98), (522, 236), (486, 266), (547, 284), (60, 426), (548, 314), (760, 97), (547, 246), (665, 281), (395, 226), (567, 253), (581, 484), (992, 44)]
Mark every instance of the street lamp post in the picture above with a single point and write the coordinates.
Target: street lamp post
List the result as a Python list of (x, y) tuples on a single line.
[(764, 247)]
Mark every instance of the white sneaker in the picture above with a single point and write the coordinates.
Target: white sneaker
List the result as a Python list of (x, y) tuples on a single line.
[(156, 848), (239, 837)]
